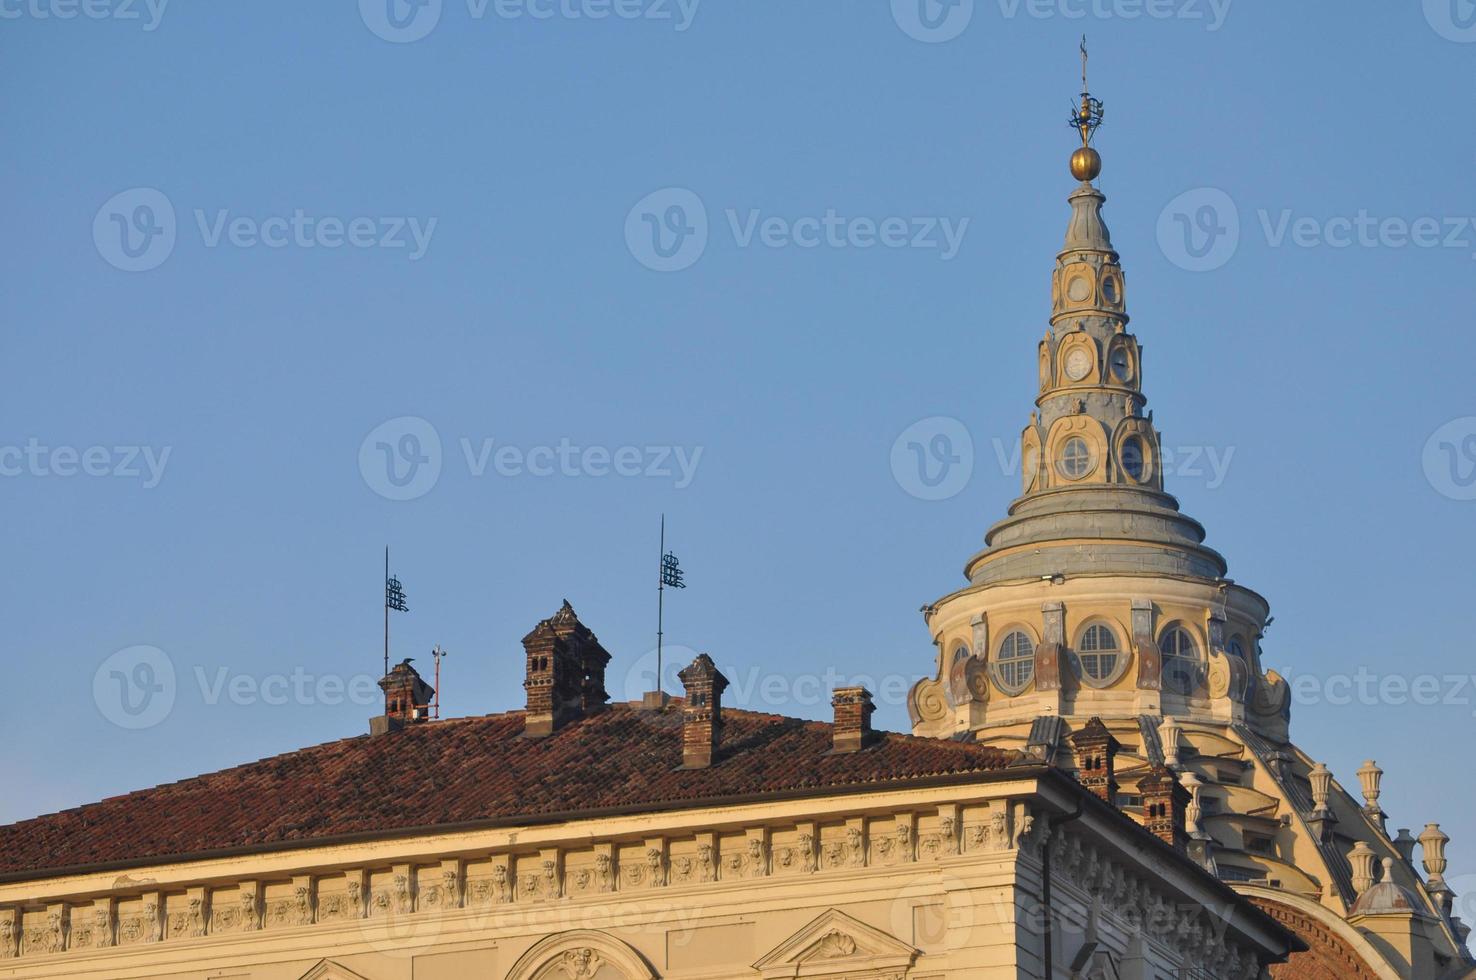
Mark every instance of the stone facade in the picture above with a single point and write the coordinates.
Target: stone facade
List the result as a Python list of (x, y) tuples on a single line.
[(925, 883)]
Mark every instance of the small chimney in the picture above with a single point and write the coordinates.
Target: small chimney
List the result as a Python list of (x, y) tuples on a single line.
[(702, 714), (565, 673), (1164, 803), (407, 699), (1096, 760), (853, 710)]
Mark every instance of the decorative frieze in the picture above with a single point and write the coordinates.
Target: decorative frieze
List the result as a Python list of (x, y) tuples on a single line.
[(143, 921), (549, 875), (45, 931), (439, 887), (9, 933), (92, 926), (1191, 930), (186, 915)]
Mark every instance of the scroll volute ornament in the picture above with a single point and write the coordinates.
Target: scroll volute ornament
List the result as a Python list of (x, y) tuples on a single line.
[(1218, 675), (1272, 696)]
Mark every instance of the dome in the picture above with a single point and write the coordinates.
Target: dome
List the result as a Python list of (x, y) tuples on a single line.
[(1385, 897)]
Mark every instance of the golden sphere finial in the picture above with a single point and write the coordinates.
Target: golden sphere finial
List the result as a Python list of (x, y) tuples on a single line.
[(1086, 163)]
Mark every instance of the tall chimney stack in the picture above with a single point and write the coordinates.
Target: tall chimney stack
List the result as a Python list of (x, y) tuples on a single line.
[(1096, 759), (406, 699), (565, 673), (1164, 803), (702, 714), (853, 708)]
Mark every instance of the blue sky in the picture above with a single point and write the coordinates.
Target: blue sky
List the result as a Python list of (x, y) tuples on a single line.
[(230, 364)]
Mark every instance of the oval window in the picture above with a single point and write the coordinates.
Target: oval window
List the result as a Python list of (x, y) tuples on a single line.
[(1098, 653), (1132, 458), (1014, 665), (1076, 459)]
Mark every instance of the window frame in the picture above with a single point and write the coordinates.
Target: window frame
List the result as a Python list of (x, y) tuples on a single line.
[(996, 661), (1198, 661), (1120, 653), (1088, 459)]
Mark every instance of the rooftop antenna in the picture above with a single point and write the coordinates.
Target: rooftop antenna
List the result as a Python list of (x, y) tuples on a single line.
[(438, 654), (394, 598), (671, 575)]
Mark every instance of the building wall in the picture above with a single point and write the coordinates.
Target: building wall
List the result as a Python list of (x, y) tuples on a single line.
[(924, 884)]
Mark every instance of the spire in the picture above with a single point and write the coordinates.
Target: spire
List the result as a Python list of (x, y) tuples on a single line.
[(1086, 163), (1090, 447)]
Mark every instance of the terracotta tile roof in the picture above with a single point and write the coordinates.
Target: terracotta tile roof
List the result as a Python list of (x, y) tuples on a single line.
[(465, 771)]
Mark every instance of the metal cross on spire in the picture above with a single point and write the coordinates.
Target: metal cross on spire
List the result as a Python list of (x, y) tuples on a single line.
[(1086, 118)]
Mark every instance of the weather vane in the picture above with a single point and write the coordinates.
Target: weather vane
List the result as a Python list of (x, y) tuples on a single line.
[(1086, 163)]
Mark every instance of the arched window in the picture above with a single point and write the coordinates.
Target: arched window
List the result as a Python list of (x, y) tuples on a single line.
[(1183, 665), (1099, 654), (1014, 662)]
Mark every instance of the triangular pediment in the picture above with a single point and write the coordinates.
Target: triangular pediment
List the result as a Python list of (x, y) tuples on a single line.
[(329, 970), (835, 943)]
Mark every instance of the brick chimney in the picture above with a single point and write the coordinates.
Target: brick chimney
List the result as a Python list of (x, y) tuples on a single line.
[(1164, 803), (406, 699), (853, 709), (702, 714), (1096, 759), (565, 673)]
